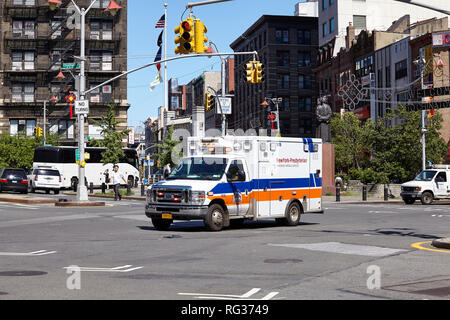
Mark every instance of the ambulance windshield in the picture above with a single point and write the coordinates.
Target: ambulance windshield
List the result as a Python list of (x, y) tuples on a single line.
[(199, 168)]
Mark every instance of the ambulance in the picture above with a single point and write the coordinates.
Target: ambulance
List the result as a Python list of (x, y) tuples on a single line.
[(226, 180)]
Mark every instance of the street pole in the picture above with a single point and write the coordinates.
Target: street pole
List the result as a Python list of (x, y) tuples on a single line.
[(424, 131), (224, 118), (45, 122)]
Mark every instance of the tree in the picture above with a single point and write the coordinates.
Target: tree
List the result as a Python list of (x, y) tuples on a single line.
[(349, 137), (166, 149), (112, 138), (18, 151), (397, 149)]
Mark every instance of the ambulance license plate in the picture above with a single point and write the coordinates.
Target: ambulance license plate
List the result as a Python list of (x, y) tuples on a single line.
[(167, 216)]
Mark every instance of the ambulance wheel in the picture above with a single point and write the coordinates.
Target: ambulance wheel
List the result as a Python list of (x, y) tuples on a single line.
[(214, 220), (161, 224), (292, 216)]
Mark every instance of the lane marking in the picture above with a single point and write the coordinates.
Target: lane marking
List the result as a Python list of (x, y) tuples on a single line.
[(114, 269), (418, 245), (27, 254), (218, 296), (342, 248)]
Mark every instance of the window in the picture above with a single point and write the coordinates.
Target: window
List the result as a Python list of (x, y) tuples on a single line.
[(283, 81), (304, 82), (441, 177), (331, 2), (101, 95), (22, 92), (101, 30), (22, 60), (23, 29), (282, 36), (304, 59), (286, 104), (305, 126), (324, 4), (102, 4), (324, 29), (304, 104), (401, 69), (388, 77), (304, 37), (359, 22), (283, 59), (331, 25), (56, 27), (22, 126), (24, 2), (66, 129)]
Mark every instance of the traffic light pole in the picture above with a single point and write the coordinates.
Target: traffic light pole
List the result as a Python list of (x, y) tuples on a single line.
[(198, 55)]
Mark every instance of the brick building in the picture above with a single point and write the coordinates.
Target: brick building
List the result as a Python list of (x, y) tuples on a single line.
[(38, 50)]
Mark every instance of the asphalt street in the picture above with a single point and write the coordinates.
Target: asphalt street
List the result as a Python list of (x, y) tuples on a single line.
[(353, 251)]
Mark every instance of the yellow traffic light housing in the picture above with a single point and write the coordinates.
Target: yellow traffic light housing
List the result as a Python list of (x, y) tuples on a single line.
[(258, 73), (185, 38), (249, 72), (37, 132), (200, 37), (209, 101)]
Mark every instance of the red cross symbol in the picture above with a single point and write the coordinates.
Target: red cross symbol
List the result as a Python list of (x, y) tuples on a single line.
[(272, 117), (71, 99)]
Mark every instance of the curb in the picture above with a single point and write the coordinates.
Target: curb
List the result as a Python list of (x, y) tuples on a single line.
[(28, 201), (80, 204), (441, 243)]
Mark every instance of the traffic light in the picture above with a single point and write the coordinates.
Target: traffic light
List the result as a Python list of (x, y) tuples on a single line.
[(200, 38), (249, 72), (38, 131), (209, 101), (185, 38), (259, 73)]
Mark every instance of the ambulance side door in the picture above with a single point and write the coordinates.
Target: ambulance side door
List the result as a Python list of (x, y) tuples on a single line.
[(238, 176)]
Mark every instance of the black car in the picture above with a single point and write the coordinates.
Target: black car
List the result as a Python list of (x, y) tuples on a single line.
[(13, 180)]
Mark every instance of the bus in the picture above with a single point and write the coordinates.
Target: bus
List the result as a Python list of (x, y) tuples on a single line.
[(63, 159)]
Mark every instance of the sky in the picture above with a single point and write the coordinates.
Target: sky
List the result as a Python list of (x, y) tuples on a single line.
[(225, 22)]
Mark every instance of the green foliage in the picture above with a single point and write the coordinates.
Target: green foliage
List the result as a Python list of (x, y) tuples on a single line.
[(112, 138), (18, 151), (388, 150), (166, 149)]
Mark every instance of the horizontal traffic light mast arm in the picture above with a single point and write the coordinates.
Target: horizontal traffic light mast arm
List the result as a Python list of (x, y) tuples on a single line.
[(423, 5), (196, 4), (254, 53)]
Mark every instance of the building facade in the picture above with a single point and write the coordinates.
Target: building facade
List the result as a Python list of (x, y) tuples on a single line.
[(287, 47), (336, 15), (38, 50)]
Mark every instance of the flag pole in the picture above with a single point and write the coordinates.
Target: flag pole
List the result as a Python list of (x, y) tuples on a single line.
[(166, 94)]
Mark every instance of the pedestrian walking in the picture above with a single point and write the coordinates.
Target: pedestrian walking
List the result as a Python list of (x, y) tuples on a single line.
[(116, 178), (107, 180)]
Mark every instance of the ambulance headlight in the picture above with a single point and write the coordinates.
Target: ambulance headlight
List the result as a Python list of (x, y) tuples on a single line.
[(197, 197)]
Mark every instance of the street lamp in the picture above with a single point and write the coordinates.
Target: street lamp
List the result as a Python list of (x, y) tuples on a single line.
[(82, 193), (53, 4), (222, 72)]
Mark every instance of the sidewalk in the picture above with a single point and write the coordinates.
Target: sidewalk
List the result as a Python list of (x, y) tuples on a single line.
[(358, 200)]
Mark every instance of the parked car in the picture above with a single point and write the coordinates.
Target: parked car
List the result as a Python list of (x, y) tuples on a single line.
[(13, 180), (45, 179)]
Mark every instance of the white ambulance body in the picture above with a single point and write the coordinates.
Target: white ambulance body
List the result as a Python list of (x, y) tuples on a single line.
[(229, 179)]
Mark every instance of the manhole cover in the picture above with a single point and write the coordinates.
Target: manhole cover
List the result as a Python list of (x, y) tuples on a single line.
[(3, 293), (283, 261), (172, 236), (22, 273)]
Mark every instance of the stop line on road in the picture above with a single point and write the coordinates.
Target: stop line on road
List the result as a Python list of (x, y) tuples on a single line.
[(218, 296)]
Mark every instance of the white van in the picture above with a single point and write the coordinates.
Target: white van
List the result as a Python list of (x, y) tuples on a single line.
[(229, 179), (431, 184)]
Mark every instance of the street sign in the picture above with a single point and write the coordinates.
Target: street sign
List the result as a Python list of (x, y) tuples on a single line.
[(225, 103), (77, 155), (71, 66), (82, 107)]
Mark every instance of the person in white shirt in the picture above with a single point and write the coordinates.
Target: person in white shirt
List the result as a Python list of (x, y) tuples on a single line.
[(116, 178)]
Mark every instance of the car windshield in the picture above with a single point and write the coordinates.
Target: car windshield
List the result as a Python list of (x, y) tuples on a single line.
[(199, 168), (426, 175)]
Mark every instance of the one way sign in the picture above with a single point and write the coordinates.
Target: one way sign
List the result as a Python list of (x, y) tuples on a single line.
[(82, 107)]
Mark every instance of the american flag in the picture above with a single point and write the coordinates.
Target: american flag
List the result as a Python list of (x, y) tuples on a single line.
[(161, 22)]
